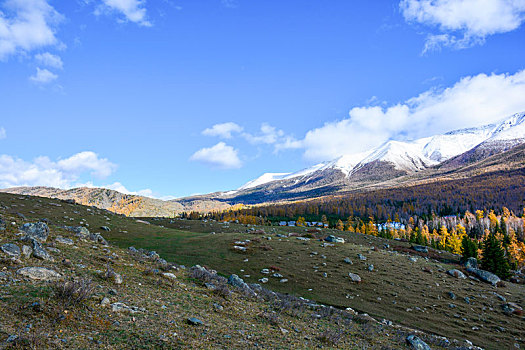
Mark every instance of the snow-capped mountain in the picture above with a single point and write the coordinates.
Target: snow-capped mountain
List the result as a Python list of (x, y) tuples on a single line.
[(395, 158)]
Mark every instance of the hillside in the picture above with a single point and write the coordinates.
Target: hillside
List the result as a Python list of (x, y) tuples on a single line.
[(75, 291)]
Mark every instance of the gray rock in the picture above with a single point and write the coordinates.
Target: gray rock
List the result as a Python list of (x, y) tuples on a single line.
[(354, 277), (11, 249), (370, 267), (277, 275), (416, 343), (452, 295), (27, 251), (80, 231), (169, 275), (263, 280), (38, 231), (39, 273), (456, 273), (105, 228), (236, 281), (194, 321), (420, 248), (471, 263), (334, 239), (40, 253), (348, 261), (485, 276), (97, 237), (361, 257), (63, 240), (500, 297), (512, 308), (121, 307)]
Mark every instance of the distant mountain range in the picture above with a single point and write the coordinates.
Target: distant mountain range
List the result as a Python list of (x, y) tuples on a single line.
[(456, 154)]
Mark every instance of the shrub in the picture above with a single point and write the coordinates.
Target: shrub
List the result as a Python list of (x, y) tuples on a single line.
[(74, 292), (331, 336)]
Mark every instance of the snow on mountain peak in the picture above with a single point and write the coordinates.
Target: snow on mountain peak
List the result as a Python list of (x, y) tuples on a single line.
[(413, 155)]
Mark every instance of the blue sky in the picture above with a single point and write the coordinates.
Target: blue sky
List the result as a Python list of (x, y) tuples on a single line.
[(172, 98)]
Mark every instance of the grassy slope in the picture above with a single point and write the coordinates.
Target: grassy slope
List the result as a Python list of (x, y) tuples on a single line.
[(243, 323), (394, 279)]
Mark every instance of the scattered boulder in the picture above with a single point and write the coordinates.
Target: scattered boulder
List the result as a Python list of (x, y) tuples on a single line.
[(485, 276), (105, 301), (236, 281), (354, 277), (36, 230), (370, 267), (348, 261), (239, 248), (39, 252), (334, 239), (361, 257), (416, 343), (420, 248), (39, 273), (263, 280), (456, 273), (105, 228), (11, 249)]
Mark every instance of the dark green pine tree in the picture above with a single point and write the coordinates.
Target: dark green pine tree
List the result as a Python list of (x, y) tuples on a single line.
[(469, 248), (494, 259)]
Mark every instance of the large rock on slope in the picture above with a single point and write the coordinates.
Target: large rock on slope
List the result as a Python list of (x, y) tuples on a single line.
[(485, 275), (39, 273), (36, 230)]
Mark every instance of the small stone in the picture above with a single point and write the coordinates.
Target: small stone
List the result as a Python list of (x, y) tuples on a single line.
[(105, 301), (263, 280), (354, 277), (361, 257), (452, 295), (370, 267), (348, 261)]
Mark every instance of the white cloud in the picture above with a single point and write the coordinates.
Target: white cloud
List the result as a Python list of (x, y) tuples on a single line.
[(472, 101), (472, 20), (27, 25), (43, 76), (224, 130), (221, 155), (268, 135), (133, 10), (3, 133), (44, 172), (50, 60)]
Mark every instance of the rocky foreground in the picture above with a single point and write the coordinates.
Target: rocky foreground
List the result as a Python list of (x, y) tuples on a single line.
[(66, 287)]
